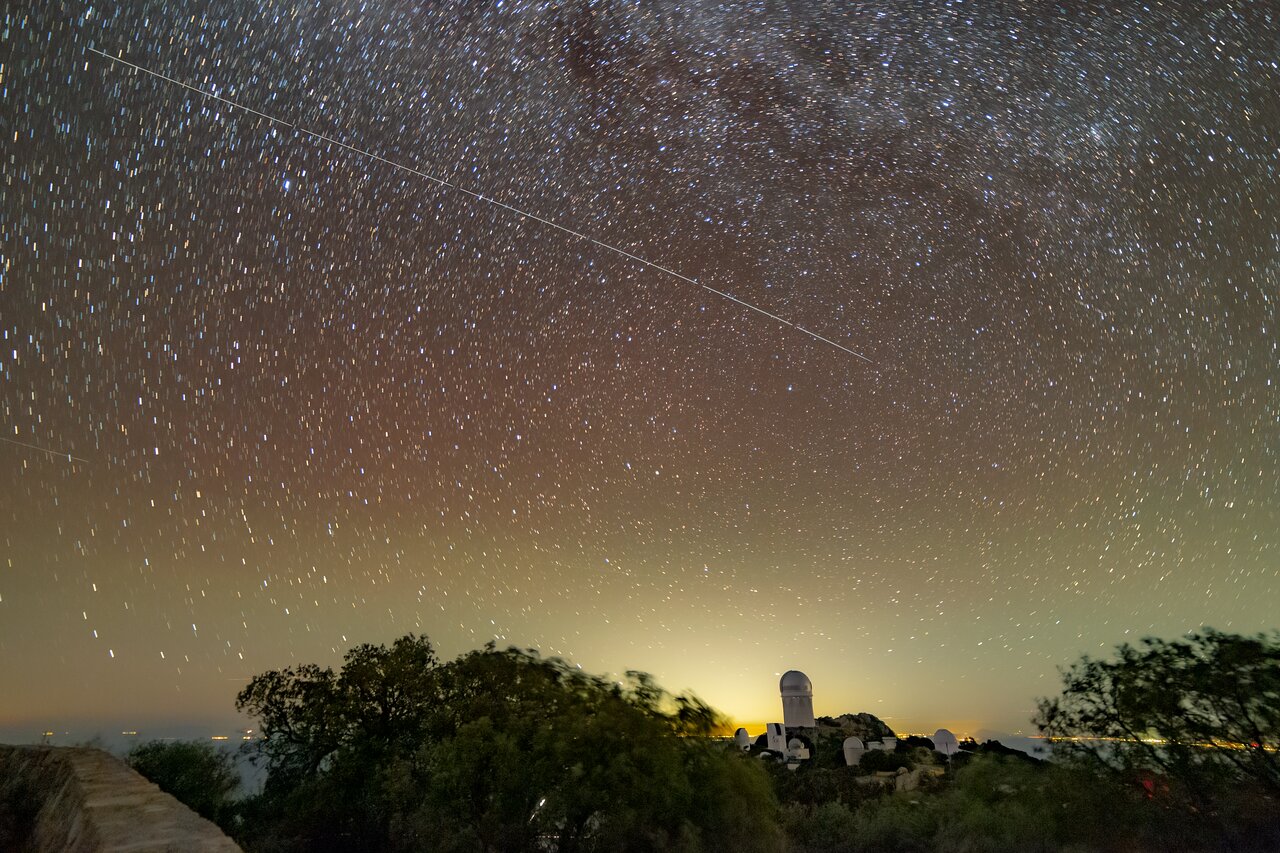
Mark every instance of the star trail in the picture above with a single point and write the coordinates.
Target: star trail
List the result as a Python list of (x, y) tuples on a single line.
[(264, 398)]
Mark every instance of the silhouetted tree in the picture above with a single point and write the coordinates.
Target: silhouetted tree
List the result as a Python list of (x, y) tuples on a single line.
[(306, 714), (494, 751), (1197, 710), (328, 740), (533, 752), (1195, 720)]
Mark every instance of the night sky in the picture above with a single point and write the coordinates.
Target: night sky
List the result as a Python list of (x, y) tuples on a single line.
[(316, 400)]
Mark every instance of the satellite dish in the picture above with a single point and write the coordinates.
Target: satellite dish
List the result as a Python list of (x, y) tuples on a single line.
[(945, 742)]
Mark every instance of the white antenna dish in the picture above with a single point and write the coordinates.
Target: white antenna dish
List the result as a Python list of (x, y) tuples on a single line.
[(945, 742)]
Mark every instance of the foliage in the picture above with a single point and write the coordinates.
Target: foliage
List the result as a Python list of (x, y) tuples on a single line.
[(810, 785), (534, 751), (827, 828), (880, 760), (997, 804), (497, 750), (306, 714), (827, 748), (196, 773), (1201, 713), (508, 751)]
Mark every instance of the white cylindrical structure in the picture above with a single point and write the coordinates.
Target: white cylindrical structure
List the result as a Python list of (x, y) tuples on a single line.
[(797, 699)]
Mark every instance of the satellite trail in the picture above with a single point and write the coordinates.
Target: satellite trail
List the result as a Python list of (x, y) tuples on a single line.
[(481, 197), (62, 453)]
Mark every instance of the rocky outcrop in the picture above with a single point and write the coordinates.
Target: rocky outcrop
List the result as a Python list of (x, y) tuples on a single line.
[(83, 800), (867, 727)]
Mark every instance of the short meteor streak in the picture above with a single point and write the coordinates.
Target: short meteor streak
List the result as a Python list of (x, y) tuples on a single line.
[(61, 453), (441, 182)]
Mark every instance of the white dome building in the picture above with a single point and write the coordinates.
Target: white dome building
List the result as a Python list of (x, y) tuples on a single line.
[(797, 699), (853, 749)]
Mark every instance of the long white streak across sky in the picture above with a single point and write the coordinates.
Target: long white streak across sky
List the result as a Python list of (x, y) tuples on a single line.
[(481, 197), (61, 453)]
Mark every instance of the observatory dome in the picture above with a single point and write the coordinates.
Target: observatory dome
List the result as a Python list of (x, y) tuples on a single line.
[(795, 683)]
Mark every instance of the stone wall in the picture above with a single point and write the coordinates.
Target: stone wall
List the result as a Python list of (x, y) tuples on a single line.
[(82, 800)]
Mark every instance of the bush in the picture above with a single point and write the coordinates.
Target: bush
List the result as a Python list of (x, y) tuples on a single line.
[(827, 828), (877, 760), (197, 774)]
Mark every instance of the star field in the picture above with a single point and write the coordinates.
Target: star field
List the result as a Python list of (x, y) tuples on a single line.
[(316, 400)]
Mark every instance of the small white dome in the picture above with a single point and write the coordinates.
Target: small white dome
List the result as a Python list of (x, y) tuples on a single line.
[(853, 750), (795, 683)]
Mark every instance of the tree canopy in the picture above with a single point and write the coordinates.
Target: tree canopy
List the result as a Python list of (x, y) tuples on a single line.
[(1168, 745), (307, 713), (1194, 721), (496, 750)]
